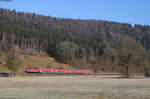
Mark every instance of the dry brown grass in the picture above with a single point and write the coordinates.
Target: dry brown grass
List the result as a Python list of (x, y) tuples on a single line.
[(36, 61), (3, 68), (41, 61), (74, 87)]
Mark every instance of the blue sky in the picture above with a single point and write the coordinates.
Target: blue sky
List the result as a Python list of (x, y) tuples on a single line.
[(127, 11)]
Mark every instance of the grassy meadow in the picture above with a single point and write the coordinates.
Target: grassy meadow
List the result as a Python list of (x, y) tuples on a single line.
[(74, 87)]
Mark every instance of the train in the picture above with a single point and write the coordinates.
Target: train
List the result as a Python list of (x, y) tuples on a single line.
[(64, 71)]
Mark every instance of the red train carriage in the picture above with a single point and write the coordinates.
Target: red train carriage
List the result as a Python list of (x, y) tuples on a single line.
[(50, 70), (32, 70)]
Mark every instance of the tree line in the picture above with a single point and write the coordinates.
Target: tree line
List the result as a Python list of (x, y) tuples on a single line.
[(95, 44)]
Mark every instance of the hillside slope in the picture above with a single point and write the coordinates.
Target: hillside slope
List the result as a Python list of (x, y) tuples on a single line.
[(94, 44), (36, 61)]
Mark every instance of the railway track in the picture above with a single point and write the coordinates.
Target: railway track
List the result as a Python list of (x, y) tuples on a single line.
[(102, 75)]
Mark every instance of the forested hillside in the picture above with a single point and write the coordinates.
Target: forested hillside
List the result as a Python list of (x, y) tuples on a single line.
[(95, 44)]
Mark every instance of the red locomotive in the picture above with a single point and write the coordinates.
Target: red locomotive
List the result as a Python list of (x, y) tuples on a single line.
[(50, 70)]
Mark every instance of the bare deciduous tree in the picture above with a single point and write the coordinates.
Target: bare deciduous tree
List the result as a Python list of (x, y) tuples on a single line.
[(13, 60)]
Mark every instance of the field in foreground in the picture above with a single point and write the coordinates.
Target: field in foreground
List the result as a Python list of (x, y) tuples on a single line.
[(74, 87)]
